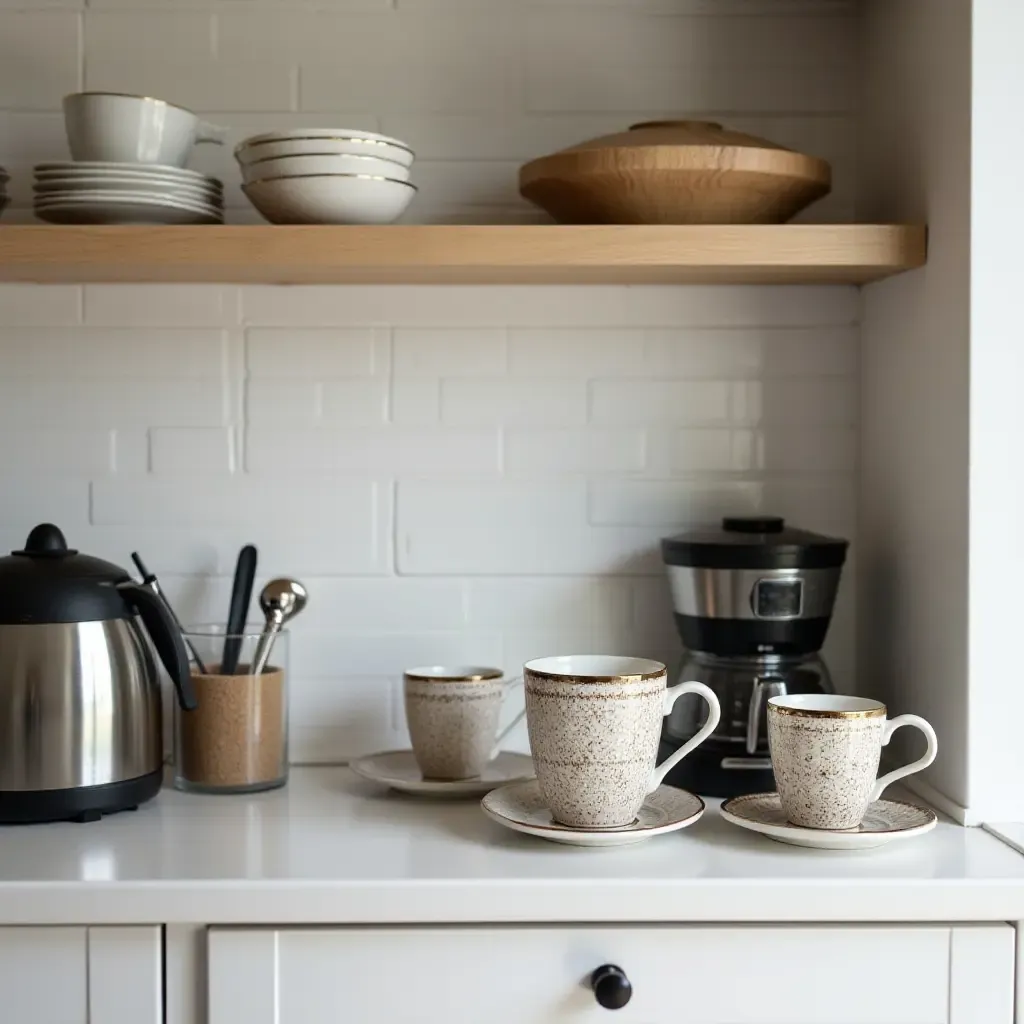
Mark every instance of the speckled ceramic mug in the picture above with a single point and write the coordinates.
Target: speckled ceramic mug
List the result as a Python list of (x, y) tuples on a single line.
[(594, 723), (825, 752), (452, 713)]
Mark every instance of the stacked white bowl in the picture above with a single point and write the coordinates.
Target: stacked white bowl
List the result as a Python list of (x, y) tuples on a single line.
[(326, 176), (4, 200), (128, 165)]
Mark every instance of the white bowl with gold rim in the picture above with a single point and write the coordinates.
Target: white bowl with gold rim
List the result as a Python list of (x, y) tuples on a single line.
[(267, 168), (330, 199), (312, 141)]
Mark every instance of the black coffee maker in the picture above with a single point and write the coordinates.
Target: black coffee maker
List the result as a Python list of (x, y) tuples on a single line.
[(753, 601)]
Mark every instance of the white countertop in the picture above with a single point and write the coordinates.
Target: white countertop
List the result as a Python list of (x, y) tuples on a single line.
[(331, 848)]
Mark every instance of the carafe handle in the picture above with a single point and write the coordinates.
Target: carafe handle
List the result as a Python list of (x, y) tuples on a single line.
[(166, 637), (758, 699)]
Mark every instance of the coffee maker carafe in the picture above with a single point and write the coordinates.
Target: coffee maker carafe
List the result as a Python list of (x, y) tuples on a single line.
[(753, 601)]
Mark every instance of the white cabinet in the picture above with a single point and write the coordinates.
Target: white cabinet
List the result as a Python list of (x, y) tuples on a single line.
[(540, 975), (81, 976)]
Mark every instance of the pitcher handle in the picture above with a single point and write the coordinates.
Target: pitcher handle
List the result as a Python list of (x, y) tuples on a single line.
[(511, 684), (908, 769), (672, 694)]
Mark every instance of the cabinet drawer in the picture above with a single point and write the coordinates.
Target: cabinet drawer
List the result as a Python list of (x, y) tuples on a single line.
[(523, 975)]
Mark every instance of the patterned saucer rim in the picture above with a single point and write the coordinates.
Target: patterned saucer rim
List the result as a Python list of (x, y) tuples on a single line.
[(365, 768), (734, 807), (571, 834)]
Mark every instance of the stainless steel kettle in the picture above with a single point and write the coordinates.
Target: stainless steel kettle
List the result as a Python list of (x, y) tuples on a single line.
[(80, 706)]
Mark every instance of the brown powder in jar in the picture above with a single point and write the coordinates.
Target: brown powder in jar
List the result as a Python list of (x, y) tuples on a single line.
[(236, 734)]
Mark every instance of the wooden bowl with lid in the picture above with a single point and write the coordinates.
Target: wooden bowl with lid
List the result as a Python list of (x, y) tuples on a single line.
[(675, 172)]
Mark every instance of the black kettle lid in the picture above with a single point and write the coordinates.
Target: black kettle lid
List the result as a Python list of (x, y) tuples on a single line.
[(754, 542), (46, 581)]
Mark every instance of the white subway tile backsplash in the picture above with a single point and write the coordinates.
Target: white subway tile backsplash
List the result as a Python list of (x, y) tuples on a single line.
[(196, 450), (415, 400), (95, 402), (710, 450), (392, 449), (574, 603), (333, 654), (482, 66), (527, 402), (568, 352), (473, 473), (820, 402), (521, 528), (33, 305), (442, 352), (349, 606), (354, 401), (284, 402), (49, 498), (40, 58), (637, 402), (474, 306), (55, 450), (672, 504), (573, 451), (313, 354), (158, 305), (112, 354), (234, 501), (788, 449), (166, 34), (209, 84)]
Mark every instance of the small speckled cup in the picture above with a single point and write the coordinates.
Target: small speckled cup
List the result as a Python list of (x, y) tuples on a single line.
[(825, 752), (453, 714), (594, 723)]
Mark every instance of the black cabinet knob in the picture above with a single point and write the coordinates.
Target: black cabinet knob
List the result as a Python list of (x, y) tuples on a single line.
[(611, 986)]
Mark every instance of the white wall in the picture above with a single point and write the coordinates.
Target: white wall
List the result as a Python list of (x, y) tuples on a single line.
[(997, 369), (916, 377), (456, 473)]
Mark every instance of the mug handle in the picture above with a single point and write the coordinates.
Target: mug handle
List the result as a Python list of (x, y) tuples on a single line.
[(672, 694), (215, 133), (908, 769), (511, 684)]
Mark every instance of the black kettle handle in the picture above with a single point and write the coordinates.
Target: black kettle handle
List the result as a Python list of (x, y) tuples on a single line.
[(166, 637)]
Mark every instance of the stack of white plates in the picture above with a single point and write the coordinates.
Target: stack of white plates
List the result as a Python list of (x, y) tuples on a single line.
[(99, 192), (4, 178), (326, 176)]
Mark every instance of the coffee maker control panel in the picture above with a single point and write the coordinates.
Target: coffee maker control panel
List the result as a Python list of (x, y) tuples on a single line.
[(778, 600)]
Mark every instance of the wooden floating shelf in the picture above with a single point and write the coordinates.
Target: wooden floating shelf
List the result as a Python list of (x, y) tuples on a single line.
[(463, 254)]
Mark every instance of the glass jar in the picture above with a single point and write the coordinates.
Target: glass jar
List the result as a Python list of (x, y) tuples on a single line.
[(236, 739)]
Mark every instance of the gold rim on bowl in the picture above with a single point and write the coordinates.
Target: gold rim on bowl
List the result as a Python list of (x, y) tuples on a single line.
[(365, 177), (130, 96), (340, 156), (260, 141), (876, 712), (486, 676)]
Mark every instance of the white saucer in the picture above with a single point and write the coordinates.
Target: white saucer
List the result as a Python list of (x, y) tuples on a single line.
[(74, 186), (521, 807), (399, 770), (74, 168), (885, 822), (124, 209)]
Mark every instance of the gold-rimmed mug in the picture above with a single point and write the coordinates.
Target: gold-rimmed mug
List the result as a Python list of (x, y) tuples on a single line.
[(453, 713), (825, 752), (595, 722)]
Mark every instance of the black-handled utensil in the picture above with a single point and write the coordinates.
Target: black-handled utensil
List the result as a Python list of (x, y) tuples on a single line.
[(149, 580), (241, 596)]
